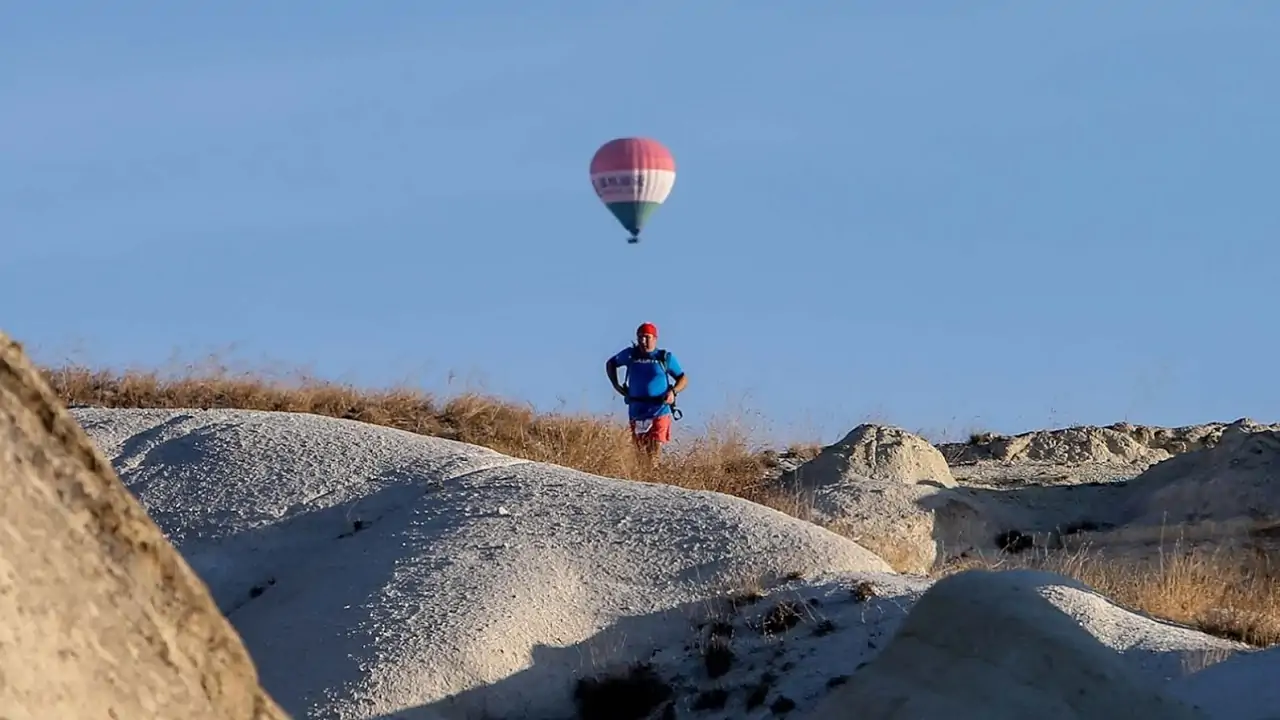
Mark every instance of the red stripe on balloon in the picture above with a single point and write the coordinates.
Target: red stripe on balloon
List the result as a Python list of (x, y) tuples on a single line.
[(632, 154)]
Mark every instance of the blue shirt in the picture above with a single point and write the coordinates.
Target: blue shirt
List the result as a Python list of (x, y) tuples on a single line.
[(646, 382)]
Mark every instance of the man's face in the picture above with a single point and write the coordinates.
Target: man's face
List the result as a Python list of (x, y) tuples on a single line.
[(647, 342)]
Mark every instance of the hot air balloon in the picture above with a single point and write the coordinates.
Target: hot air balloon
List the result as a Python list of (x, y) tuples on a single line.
[(632, 177)]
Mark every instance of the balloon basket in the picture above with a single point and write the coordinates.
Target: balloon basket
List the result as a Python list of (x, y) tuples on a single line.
[(633, 240)]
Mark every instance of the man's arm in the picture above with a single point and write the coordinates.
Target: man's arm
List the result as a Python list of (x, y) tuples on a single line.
[(682, 381), (611, 370), (677, 372)]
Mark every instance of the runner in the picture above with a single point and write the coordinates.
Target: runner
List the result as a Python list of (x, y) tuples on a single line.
[(651, 397)]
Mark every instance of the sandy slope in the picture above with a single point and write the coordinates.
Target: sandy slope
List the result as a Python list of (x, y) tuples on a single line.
[(1005, 646), (372, 570)]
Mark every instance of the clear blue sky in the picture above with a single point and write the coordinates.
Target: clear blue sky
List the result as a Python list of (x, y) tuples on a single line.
[(1003, 215)]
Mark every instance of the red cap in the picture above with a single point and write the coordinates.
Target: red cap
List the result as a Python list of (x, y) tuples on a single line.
[(647, 329)]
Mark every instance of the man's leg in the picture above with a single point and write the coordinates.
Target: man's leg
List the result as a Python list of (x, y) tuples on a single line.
[(659, 434), (647, 442), (639, 443), (651, 451)]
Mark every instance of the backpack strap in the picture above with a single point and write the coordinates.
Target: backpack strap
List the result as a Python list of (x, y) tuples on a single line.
[(676, 414), (662, 360)]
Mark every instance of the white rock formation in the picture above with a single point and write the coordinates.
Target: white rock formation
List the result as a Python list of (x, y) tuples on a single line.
[(875, 452), (889, 490), (1241, 687), (380, 574), (1236, 479), (1120, 443), (992, 646), (373, 570)]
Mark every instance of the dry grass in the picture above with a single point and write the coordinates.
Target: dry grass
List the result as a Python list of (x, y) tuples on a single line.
[(1225, 594), (720, 460), (1229, 593)]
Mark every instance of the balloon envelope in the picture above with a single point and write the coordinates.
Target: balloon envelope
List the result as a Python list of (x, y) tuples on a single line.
[(632, 177)]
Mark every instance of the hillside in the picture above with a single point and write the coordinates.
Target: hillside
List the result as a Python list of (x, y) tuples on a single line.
[(1226, 590), (721, 461), (375, 573)]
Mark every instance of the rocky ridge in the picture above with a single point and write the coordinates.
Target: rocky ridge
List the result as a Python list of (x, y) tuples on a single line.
[(1120, 443), (920, 505)]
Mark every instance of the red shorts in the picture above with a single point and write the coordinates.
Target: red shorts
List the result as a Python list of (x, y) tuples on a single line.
[(658, 429)]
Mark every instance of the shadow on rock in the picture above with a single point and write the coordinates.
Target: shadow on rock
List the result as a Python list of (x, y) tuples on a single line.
[(736, 654), (609, 675), (298, 591)]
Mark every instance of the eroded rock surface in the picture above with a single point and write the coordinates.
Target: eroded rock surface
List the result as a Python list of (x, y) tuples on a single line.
[(875, 452), (1238, 478), (99, 615), (1120, 443), (889, 489)]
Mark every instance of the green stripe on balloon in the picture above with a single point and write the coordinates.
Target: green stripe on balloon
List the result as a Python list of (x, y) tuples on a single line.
[(633, 215)]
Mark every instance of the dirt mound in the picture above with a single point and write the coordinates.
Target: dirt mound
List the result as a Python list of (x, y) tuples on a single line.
[(1237, 479), (99, 615), (988, 645), (874, 452), (878, 484), (1117, 443)]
